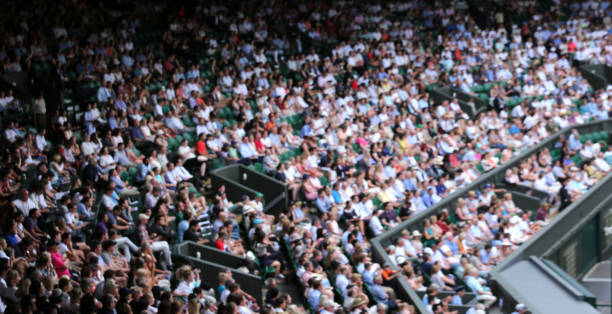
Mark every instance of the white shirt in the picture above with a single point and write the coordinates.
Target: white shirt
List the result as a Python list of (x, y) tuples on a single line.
[(10, 135), (106, 160), (376, 226), (182, 173), (186, 150), (184, 287), (41, 142), (88, 148), (24, 206)]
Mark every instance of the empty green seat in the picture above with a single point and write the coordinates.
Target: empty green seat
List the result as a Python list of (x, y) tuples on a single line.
[(218, 163), (259, 167), (188, 122), (125, 175), (577, 159), (604, 136), (476, 89)]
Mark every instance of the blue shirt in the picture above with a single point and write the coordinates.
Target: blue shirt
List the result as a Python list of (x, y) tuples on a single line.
[(440, 189), (368, 277), (514, 129), (11, 239), (120, 104), (484, 256), (574, 142), (137, 133), (127, 61), (337, 197), (246, 151), (82, 210), (313, 299), (409, 184), (112, 123), (143, 170), (182, 227), (118, 184), (426, 199), (306, 130), (379, 293), (452, 245), (473, 283), (323, 204), (456, 300)]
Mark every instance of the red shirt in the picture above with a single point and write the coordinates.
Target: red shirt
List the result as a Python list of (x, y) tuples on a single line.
[(219, 244), (442, 226), (453, 160), (201, 148), (457, 54), (259, 145)]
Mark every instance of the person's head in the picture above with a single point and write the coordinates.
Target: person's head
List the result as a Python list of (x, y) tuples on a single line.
[(103, 217), (12, 278), (52, 246), (378, 280), (193, 225), (108, 246), (24, 194), (65, 284), (108, 302)]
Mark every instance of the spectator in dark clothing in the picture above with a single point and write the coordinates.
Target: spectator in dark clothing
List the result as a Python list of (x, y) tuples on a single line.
[(542, 213), (160, 228), (564, 194)]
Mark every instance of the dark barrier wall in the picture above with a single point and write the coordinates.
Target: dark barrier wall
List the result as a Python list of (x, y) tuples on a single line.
[(251, 284), (240, 180), (598, 75), (230, 177), (525, 201), (448, 93), (211, 254), (416, 221), (19, 81)]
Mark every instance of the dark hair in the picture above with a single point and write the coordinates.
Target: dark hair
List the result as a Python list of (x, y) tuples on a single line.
[(107, 244)]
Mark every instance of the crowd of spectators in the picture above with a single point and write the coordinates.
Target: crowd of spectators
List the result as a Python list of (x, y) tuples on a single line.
[(333, 98)]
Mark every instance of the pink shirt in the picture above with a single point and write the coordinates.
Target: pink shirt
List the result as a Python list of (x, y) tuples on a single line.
[(58, 264)]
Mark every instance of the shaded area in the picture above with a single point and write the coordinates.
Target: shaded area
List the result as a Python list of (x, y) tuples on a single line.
[(543, 292)]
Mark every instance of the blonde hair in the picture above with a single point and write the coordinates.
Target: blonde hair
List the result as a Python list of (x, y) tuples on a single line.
[(460, 202), (23, 288), (194, 306)]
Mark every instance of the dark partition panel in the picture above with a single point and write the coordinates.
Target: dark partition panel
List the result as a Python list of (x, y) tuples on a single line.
[(209, 271), (448, 93), (211, 254), (240, 180), (598, 75)]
